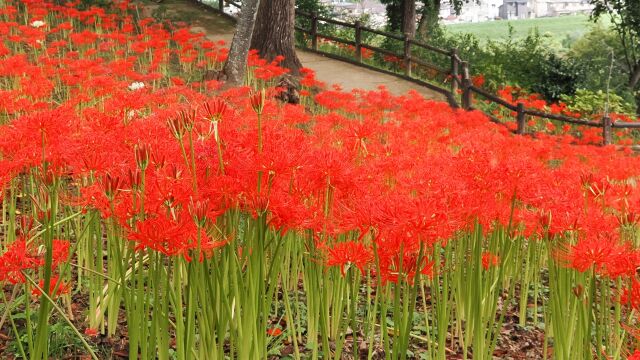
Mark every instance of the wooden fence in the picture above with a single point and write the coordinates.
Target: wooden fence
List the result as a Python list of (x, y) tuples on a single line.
[(457, 72), (407, 59)]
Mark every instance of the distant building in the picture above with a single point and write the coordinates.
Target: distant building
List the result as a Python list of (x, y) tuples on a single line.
[(541, 8), (484, 10), (472, 11), (524, 9), (351, 9), (515, 9), (566, 7)]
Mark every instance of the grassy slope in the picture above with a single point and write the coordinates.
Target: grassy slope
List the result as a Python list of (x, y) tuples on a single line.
[(559, 28)]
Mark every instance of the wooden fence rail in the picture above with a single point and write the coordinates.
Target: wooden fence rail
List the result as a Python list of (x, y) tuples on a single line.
[(457, 74)]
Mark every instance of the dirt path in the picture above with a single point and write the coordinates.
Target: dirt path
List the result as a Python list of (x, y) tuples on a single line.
[(329, 71)]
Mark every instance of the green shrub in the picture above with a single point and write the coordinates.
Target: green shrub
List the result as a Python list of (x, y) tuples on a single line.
[(589, 102), (595, 50), (530, 63), (557, 76)]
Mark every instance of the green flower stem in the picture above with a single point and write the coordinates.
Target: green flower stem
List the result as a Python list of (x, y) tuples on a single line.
[(62, 314), (193, 162), (219, 147), (9, 305), (41, 348)]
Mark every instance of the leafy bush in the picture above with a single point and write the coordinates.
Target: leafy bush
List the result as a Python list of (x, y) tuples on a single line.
[(594, 50), (594, 102), (310, 6), (557, 76), (529, 63)]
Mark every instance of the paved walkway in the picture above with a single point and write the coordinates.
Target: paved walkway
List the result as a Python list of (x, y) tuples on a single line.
[(329, 71)]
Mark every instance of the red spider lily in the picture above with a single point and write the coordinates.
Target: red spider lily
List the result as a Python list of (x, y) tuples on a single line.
[(257, 101), (478, 80), (403, 171), (400, 259), (142, 152), (60, 251), (188, 118), (199, 211), (135, 179), (164, 235), (18, 258), (177, 127), (208, 244), (26, 225), (62, 288), (391, 269), (602, 252), (112, 186), (265, 70), (215, 109), (631, 295), (636, 334), (91, 332), (309, 79), (273, 332), (489, 260), (349, 253)]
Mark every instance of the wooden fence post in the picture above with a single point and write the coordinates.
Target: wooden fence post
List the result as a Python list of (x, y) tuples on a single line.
[(221, 6), (606, 130), (467, 98), (520, 118), (454, 71), (407, 54), (358, 36), (314, 30)]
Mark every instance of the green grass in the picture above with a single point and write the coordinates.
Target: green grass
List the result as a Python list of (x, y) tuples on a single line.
[(562, 29)]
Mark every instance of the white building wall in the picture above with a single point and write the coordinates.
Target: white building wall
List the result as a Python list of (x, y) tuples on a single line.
[(474, 12)]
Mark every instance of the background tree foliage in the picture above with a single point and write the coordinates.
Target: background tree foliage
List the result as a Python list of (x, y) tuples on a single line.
[(595, 50), (625, 15), (529, 63)]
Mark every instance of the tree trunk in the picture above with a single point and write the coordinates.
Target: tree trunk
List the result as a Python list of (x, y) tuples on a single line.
[(409, 18), (236, 65), (635, 76), (429, 21), (634, 85), (274, 34), (394, 14), (637, 96)]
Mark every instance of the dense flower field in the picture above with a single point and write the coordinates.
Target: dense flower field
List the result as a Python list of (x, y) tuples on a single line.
[(197, 222)]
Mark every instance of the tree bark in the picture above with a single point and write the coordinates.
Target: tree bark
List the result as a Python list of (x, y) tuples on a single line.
[(274, 33), (635, 76), (394, 14), (636, 92), (634, 84), (409, 18), (429, 21), (236, 65)]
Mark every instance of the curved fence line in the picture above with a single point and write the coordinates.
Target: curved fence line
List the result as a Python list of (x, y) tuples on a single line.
[(460, 85)]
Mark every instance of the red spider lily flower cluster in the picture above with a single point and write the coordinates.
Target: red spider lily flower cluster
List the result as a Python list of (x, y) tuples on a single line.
[(576, 134), (403, 172), (91, 332), (412, 170), (21, 257), (57, 287), (366, 54), (17, 259), (274, 331), (489, 260), (347, 254)]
